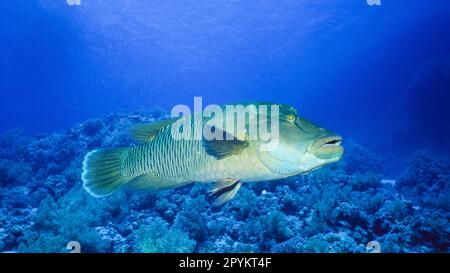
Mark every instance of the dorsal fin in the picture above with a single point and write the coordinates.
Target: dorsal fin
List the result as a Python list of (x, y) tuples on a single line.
[(223, 148), (143, 133)]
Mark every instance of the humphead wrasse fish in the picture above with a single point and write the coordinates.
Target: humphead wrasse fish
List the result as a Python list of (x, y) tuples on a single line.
[(164, 159)]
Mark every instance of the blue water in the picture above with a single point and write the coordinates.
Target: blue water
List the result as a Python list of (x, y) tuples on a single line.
[(377, 75)]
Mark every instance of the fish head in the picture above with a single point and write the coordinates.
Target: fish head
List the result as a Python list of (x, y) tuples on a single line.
[(301, 146)]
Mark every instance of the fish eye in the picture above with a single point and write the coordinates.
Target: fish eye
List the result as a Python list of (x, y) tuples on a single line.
[(290, 117)]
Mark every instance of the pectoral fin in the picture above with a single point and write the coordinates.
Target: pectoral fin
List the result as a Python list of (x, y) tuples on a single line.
[(144, 132), (223, 148), (225, 190)]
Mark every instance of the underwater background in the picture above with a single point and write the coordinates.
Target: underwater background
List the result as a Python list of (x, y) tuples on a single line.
[(74, 77)]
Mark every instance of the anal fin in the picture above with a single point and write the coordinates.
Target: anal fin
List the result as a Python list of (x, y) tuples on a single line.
[(151, 182)]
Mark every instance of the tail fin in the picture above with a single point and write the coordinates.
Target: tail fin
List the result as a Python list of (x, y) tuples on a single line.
[(102, 171)]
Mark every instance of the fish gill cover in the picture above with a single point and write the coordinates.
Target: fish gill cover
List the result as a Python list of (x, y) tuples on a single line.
[(377, 75)]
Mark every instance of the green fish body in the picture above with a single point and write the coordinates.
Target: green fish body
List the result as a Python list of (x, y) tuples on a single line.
[(165, 160)]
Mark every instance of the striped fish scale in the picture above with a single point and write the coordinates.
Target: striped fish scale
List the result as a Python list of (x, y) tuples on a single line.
[(186, 160)]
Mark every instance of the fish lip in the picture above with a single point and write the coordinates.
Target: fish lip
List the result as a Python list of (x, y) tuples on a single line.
[(334, 141), (328, 148), (328, 141)]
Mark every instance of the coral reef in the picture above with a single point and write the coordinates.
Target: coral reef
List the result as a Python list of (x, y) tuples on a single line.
[(339, 208)]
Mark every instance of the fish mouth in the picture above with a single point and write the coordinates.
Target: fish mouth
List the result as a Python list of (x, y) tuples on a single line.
[(331, 141), (328, 148)]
